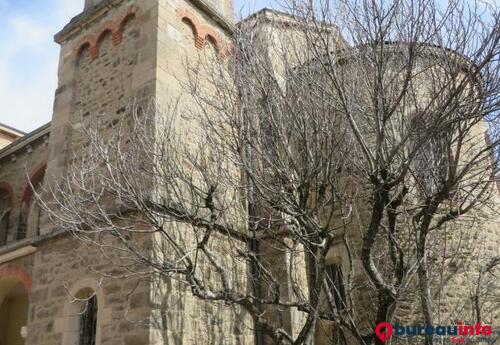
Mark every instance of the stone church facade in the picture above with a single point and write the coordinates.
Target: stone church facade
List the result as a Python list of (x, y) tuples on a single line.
[(115, 50)]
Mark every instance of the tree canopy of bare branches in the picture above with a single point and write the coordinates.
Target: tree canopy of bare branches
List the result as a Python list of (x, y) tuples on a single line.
[(334, 167)]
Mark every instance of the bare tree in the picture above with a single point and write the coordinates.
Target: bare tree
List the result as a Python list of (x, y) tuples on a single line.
[(334, 167)]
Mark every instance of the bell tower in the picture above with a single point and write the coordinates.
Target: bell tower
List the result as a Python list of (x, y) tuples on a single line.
[(107, 57), (117, 51)]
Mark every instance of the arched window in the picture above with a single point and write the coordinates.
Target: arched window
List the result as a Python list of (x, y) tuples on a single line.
[(15, 288), (336, 282), (23, 223), (5, 206), (35, 214), (88, 322), (30, 214), (336, 266), (82, 314)]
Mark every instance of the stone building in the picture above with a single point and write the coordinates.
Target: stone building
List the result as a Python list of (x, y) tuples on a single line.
[(113, 51), (8, 135)]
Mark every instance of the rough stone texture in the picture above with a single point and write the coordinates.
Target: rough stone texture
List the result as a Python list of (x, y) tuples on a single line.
[(59, 267), (104, 64), (14, 183)]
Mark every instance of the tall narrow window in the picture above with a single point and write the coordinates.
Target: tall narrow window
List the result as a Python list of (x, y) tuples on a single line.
[(4, 228), (337, 287), (88, 322), (5, 207), (38, 221), (22, 229)]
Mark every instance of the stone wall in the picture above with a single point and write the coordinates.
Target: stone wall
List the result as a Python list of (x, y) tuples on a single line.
[(117, 59), (104, 66), (15, 189), (188, 38), (63, 267)]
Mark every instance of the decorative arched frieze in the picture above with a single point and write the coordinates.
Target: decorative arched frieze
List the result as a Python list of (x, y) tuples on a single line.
[(226, 51), (211, 37), (201, 32), (115, 28), (88, 42), (187, 21), (130, 15), (193, 21), (107, 33)]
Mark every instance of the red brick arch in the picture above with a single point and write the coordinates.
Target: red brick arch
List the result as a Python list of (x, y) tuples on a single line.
[(115, 27), (209, 37), (108, 30), (35, 178), (127, 18), (5, 186), (202, 33), (89, 41), (193, 21), (19, 273), (189, 22)]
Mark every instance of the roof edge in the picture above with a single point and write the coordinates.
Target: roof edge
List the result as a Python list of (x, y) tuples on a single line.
[(12, 130), (25, 140), (223, 21), (82, 20)]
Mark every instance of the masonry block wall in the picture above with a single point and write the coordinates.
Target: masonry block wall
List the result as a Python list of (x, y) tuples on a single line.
[(122, 51), (126, 52), (62, 268), (104, 65), (186, 36)]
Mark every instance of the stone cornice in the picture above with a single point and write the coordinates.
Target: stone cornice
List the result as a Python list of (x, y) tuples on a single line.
[(224, 23), (23, 250), (85, 19), (25, 247)]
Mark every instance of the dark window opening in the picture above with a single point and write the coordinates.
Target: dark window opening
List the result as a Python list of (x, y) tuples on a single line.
[(88, 322), (38, 221), (430, 164), (337, 288), (22, 230), (4, 228)]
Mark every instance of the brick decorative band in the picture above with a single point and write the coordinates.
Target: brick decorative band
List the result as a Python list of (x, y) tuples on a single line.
[(115, 28)]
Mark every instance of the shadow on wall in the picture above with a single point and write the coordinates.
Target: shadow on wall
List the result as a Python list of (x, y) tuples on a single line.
[(15, 286)]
